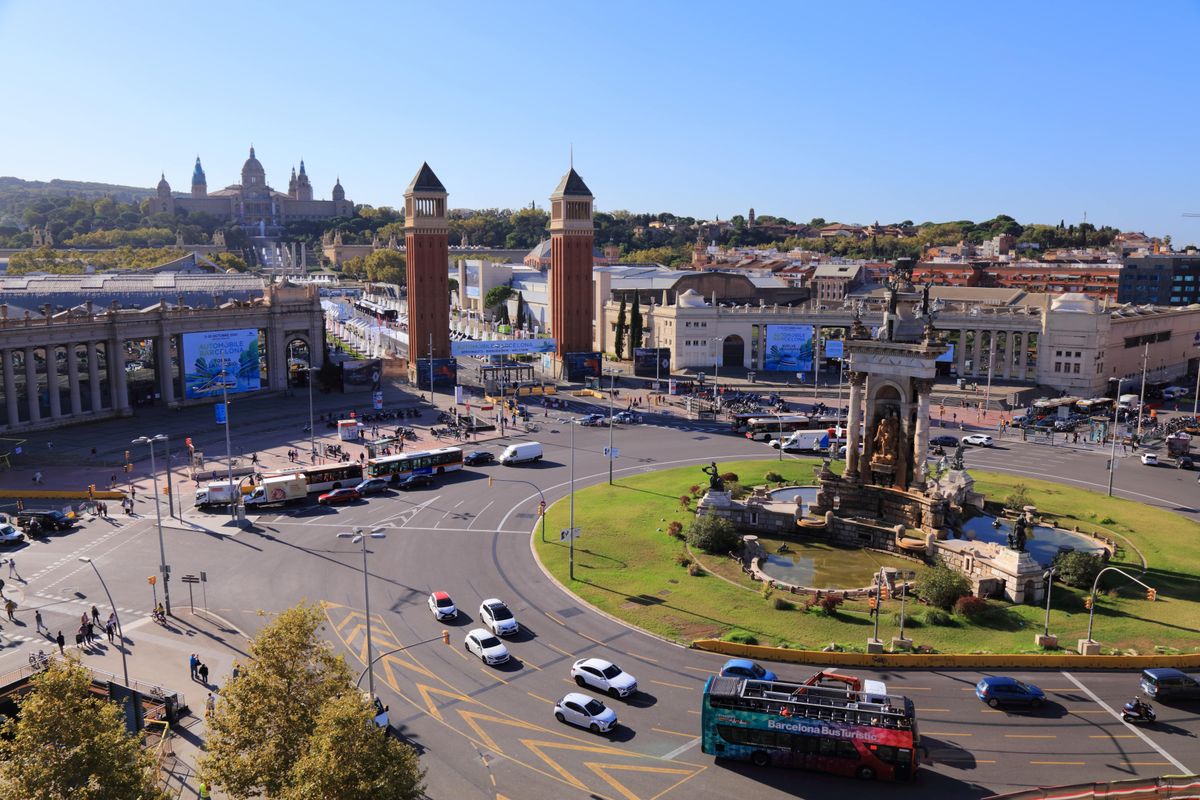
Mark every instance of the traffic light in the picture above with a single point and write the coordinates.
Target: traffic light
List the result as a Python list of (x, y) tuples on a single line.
[(884, 593), (153, 579), (1087, 602), (1151, 595), (873, 603), (445, 637), (489, 480)]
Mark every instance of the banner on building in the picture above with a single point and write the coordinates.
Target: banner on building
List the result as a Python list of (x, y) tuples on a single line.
[(834, 348), (362, 374), (217, 361), (789, 348), (503, 347), (651, 362), (581, 366), (445, 373), (948, 356)]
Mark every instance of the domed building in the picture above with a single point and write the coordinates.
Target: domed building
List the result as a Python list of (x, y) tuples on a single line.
[(253, 204)]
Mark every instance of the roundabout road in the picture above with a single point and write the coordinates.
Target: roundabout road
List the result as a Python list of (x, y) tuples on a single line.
[(489, 732)]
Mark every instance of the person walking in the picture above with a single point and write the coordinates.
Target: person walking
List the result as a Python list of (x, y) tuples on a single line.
[(210, 705), (204, 792), (37, 617), (61, 642), (95, 616), (79, 638), (9, 608), (90, 632), (12, 568), (193, 662), (111, 630), (203, 671)]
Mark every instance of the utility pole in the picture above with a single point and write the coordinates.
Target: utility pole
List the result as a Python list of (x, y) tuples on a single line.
[(1142, 396), (1112, 456), (233, 496)]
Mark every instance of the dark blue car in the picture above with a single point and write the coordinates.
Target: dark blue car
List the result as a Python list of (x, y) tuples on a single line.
[(997, 690)]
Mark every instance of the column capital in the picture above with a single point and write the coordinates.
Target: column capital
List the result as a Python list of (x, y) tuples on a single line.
[(857, 378), (923, 386)]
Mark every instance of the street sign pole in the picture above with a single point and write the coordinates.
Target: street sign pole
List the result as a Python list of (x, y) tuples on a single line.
[(189, 580), (204, 589)]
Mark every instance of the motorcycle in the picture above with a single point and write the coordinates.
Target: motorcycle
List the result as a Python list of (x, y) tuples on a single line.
[(1142, 712)]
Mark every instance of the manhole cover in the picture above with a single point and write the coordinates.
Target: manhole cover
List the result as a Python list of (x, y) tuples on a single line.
[(701, 438), (569, 612)]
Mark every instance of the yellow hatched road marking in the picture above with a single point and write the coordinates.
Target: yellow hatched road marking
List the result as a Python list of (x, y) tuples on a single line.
[(492, 674), (603, 769), (539, 697), (1061, 763), (644, 658)]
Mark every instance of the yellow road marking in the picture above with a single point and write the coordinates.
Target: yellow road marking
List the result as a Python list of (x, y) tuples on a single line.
[(675, 733), (644, 658), (690, 711), (559, 649), (493, 777), (704, 671), (531, 664), (602, 771), (923, 708), (590, 639), (1030, 736), (676, 685), (492, 674), (1061, 763), (556, 619), (539, 697)]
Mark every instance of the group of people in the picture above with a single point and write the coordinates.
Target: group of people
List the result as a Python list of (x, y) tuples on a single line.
[(198, 669), (87, 634)]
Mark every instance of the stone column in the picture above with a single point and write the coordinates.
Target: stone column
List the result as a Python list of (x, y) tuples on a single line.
[(31, 386), (1018, 353), (976, 353), (10, 390), (961, 355), (162, 358), (853, 423), (73, 379), (52, 382), (991, 355), (93, 355), (116, 366), (864, 461), (923, 386)]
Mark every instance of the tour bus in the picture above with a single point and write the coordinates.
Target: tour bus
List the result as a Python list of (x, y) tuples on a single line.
[(419, 462), (837, 730), (325, 479), (763, 428)]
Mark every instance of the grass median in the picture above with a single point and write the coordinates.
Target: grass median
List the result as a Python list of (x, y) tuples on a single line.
[(627, 564)]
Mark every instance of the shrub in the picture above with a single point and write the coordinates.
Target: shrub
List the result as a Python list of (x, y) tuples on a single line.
[(741, 637), (773, 477), (782, 604), (695, 490), (942, 586), (830, 603), (683, 559), (713, 534), (695, 570), (729, 477), (1078, 569), (970, 606), (1019, 497), (685, 501), (675, 529), (935, 616), (910, 621), (766, 590)]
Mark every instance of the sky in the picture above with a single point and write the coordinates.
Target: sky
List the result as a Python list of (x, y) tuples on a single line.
[(850, 111)]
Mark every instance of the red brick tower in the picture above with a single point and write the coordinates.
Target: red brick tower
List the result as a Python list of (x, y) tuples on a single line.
[(571, 235), (428, 265)]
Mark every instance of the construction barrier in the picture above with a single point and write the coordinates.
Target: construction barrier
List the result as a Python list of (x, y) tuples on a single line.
[(945, 660), (1165, 787), (60, 494)]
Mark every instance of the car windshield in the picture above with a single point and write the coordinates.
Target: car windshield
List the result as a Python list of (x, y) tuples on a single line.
[(611, 671), (594, 708), (1022, 687), (488, 642), (443, 602), (757, 671), (500, 611)]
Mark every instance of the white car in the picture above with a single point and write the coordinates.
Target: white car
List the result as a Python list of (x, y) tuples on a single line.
[(1149, 459), (495, 615), (978, 439), (10, 535), (604, 676), (585, 712), (483, 644), (442, 606)]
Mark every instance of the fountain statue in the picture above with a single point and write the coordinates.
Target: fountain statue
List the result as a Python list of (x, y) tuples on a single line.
[(715, 484)]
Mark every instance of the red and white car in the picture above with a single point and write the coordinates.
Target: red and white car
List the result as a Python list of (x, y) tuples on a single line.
[(442, 606)]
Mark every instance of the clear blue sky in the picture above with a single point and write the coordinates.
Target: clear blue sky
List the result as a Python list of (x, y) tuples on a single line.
[(850, 111)]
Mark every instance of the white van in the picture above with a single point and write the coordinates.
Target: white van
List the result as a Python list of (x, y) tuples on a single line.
[(521, 453)]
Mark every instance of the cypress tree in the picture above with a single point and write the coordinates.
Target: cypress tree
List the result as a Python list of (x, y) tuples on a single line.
[(619, 336), (635, 327)]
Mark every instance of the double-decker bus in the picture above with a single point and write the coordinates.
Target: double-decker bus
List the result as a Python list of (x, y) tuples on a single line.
[(419, 462), (324, 479), (762, 427), (843, 731)]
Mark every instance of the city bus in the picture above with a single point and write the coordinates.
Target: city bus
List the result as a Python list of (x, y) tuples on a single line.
[(419, 462), (327, 478), (763, 428), (740, 423), (839, 730)]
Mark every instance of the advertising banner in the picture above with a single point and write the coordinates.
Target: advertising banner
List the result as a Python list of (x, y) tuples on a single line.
[(221, 360), (948, 356), (365, 374), (834, 349), (789, 348), (445, 373), (581, 366), (651, 362), (503, 347)]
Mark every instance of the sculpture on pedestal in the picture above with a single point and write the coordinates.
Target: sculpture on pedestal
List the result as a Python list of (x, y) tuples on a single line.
[(886, 441), (715, 484)]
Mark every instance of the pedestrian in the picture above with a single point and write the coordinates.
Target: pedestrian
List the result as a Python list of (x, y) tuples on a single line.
[(203, 671), (83, 619), (12, 568), (254, 458), (203, 790), (61, 642), (210, 705), (95, 615), (79, 638), (9, 608), (37, 617), (111, 630), (237, 670), (89, 632), (49, 444), (193, 662)]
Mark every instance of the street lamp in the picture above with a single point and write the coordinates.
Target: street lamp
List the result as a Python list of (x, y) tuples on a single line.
[(1092, 597), (1142, 394), (571, 520), (612, 389), (233, 498), (162, 552), (312, 431), (717, 354), (1112, 457), (121, 633), (1048, 577), (359, 536)]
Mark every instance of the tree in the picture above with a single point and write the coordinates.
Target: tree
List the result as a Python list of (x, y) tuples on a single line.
[(386, 266), (635, 327), (267, 713), (1078, 569), (941, 586), (502, 314), (619, 335), (385, 769), (68, 742), (713, 534), (497, 295), (522, 320)]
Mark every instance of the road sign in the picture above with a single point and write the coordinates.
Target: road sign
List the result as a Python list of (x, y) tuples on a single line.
[(612, 453), (569, 534), (190, 579)]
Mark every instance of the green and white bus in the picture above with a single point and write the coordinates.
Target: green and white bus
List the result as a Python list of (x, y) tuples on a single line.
[(419, 462)]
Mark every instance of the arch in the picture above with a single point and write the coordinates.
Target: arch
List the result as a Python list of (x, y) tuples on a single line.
[(733, 351), (299, 354)]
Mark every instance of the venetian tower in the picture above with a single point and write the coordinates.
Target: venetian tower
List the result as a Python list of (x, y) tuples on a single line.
[(426, 238), (571, 248)]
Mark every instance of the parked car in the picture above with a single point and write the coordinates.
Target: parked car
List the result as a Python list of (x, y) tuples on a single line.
[(943, 441), (10, 535), (442, 606), (478, 458), (585, 712), (592, 420), (498, 618), (487, 647), (978, 439), (627, 418), (1168, 683), (338, 496), (48, 520), (411, 482), (372, 486), (745, 668), (1150, 459), (604, 676), (998, 690)]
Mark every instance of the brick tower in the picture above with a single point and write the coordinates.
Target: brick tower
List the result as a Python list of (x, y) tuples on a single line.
[(571, 235), (427, 254)]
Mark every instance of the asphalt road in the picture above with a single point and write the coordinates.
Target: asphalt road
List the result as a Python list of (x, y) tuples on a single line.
[(489, 732)]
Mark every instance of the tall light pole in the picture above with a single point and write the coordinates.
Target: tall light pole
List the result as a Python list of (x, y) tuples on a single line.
[(717, 354), (612, 388), (233, 496), (121, 633), (170, 491), (1092, 597), (1196, 399), (312, 430), (1142, 394), (1112, 456), (162, 552), (359, 536), (1048, 577)]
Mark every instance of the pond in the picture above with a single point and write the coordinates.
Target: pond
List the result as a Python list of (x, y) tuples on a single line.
[(1044, 544), (807, 494), (822, 566)]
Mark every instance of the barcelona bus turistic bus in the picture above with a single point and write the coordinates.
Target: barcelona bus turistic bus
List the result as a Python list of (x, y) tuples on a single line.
[(325, 478), (828, 729), (418, 462)]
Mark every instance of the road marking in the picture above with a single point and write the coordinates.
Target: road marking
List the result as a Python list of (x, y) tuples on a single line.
[(1088, 711), (556, 619), (1148, 763), (644, 658), (539, 697), (703, 671), (531, 664), (559, 649), (944, 733), (933, 709), (478, 515), (921, 689), (693, 711), (1112, 736), (683, 748), (488, 672), (1030, 736), (675, 733), (590, 639), (1061, 763), (675, 685), (1132, 729)]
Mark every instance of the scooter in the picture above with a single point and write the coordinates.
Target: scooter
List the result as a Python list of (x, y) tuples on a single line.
[(1142, 713)]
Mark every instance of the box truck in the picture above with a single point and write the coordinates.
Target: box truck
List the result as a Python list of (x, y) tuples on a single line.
[(279, 490), (217, 494)]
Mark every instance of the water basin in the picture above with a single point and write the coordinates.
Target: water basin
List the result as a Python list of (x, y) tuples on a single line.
[(807, 495), (822, 566), (1043, 545)]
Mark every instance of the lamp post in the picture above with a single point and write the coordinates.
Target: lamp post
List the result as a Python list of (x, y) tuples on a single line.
[(1112, 456), (121, 633), (162, 552), (1196, 398), (1142, 394), (878, 596), (359, 536), (170, 491), (1092, 597), (717, 374), (612, 389), (1048, 577), (571, 518), (233, 497)]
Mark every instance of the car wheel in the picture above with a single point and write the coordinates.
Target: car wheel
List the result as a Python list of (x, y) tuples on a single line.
[(759, 758), (594, 728), (613, 693), (579, 681), (993, 702), (558, 715), (865, 773)]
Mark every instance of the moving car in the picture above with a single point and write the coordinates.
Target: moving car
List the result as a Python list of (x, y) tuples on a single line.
[(627, 418), (10, 535), (604, 676), (978, 439), (478, 458), (1169, 684), (498, 618), (592, 420), (998, 690), (48, 520), (411, 482), (483, 644), (521, 453), (745, 668), (585, 712), (338, 496), (442, 606), (372, 486), (1149, 459), (943, 441)]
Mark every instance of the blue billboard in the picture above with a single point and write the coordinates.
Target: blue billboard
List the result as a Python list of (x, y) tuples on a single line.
[(789, 348), (581, 366), (216, 361), (948, 356), (445, 373), (834, 349), (503, 347)]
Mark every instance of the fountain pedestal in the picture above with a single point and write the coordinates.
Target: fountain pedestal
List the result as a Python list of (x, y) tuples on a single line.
[(874, 646)]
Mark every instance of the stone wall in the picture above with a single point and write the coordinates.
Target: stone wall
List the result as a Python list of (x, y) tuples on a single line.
[(879, 503)]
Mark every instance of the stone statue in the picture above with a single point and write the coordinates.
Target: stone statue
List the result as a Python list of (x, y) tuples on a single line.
[(1016, 539), (715, 484), (925, 300), (957, 463), (885, 441)]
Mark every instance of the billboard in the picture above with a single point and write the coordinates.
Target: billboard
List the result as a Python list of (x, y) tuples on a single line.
[(651, 362), (362, 374), (789, 348), (581, 366), (220, 360), (445, 373), (503, 347), (948, 356), (834, 348)]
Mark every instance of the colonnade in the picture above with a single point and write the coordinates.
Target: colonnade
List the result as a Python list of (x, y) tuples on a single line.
[(1011, 347), (49, 381)]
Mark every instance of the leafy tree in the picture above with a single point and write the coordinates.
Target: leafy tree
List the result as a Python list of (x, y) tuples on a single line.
[(384, 768), (68, 743), (713, 534), (497, 295), (229, 261), (386, 266), (941, 586), (1078, 569), (619, 334), (635, 327)]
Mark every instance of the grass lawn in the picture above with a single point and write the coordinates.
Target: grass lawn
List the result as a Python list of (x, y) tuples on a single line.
[(625, 564)]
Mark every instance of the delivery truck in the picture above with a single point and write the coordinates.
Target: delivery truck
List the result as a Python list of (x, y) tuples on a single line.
[(217, 494), (279, 490)]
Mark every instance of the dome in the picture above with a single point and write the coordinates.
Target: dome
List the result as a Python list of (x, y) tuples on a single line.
[(1074, 302), (252, 167), (163, 186), (691, 299)]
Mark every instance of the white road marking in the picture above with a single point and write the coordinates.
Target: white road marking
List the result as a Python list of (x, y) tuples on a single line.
[(480, 514), (683, 748)]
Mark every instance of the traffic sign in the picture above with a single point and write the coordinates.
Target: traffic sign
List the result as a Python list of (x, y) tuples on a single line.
[(569, 534), (190, 579), (612, 453)]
